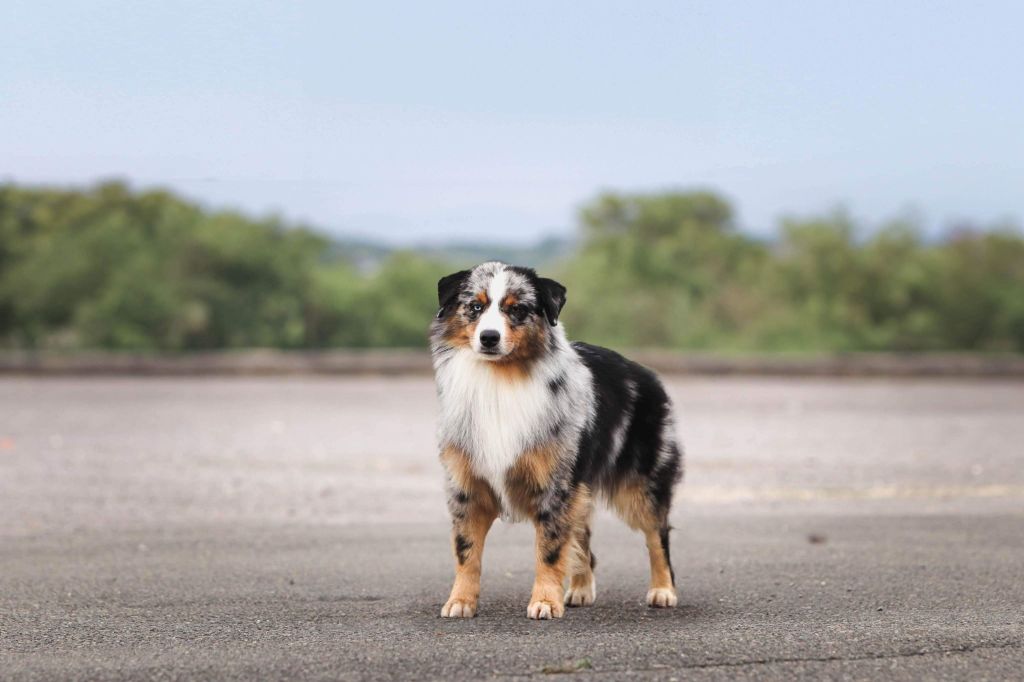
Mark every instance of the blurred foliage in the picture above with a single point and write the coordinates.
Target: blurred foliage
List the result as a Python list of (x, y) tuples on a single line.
[(113, 268), (671, 270), (110, 268)]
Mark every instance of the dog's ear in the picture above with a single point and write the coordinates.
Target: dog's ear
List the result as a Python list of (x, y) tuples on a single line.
[(552, 298), (448, 290)]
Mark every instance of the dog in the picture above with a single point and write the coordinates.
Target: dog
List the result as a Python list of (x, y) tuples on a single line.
[(535, 427)]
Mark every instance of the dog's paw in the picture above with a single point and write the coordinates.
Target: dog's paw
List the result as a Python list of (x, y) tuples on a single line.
[(662, 597), (545, 610), (458, 608), (581, 596)]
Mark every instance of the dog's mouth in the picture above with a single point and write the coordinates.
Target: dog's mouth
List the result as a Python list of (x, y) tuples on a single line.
[(496, 354)]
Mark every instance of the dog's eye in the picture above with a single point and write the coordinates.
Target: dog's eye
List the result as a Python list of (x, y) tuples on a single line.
[(518, 311), (476, 307)]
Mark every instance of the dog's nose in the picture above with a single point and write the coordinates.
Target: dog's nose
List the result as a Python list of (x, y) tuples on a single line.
[(489, 338)]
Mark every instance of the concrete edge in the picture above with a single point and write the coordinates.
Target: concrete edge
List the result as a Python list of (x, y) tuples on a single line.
[(417, 362)]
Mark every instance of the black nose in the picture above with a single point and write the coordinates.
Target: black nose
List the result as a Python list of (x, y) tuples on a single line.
[(489, 338)]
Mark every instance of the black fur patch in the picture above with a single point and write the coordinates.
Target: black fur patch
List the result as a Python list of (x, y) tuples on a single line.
[(551, 558), (462, 547), (448, 290), (585, 546), (630, 396), (668, 558), (557, 385)]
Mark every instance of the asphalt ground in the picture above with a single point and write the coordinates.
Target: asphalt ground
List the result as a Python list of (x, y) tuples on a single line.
[(295, 528)]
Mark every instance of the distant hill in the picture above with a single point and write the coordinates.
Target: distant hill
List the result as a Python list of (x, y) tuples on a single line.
[(363, 253), (367, 254)]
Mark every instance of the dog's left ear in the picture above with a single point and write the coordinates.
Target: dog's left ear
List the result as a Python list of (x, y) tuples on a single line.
[(552, 298), (448, 290)]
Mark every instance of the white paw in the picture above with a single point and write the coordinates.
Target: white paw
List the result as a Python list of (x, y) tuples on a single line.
[(458, 608), (545, 610), (662, 597), (581, 596)]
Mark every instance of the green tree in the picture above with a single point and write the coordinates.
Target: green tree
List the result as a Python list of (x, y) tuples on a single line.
[(651, 269)]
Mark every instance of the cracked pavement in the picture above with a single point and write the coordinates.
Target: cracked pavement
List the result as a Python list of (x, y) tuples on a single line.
[(272, 528)]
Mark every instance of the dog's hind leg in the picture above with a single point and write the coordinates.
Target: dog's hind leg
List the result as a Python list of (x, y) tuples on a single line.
[(662, 593), (644, 510), (582, 587)]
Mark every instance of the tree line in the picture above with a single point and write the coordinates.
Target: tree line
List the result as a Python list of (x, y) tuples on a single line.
[(109, 267)]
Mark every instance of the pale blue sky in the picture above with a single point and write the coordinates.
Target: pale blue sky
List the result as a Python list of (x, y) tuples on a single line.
[(494, 121)]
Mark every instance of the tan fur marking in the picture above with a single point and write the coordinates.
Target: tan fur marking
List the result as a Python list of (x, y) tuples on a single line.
[(581, 509), (529, 476), (458, 466), (661, 573), (527, 342), (458, 333), (631, 502), (580, 573), (510, 370)]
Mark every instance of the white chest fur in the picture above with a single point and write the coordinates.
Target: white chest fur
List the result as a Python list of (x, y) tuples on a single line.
[(492, 419)]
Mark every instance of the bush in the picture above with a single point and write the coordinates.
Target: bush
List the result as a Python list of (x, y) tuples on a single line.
[(112, 268)]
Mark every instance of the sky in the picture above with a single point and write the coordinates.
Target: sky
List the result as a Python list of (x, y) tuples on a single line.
[(425, 122)]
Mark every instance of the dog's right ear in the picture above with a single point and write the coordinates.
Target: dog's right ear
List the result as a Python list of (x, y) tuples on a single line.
[(448, 288)]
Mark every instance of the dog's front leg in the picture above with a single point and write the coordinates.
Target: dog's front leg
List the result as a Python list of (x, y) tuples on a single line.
[(473, 509), (561, 512), (469, 530), (556, 512), (468, 537)]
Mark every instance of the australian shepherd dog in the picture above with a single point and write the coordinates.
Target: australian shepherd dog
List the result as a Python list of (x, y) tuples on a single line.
[(535, 427)]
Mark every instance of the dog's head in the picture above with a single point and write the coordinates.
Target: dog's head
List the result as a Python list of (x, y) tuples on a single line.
[(501, 312)]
